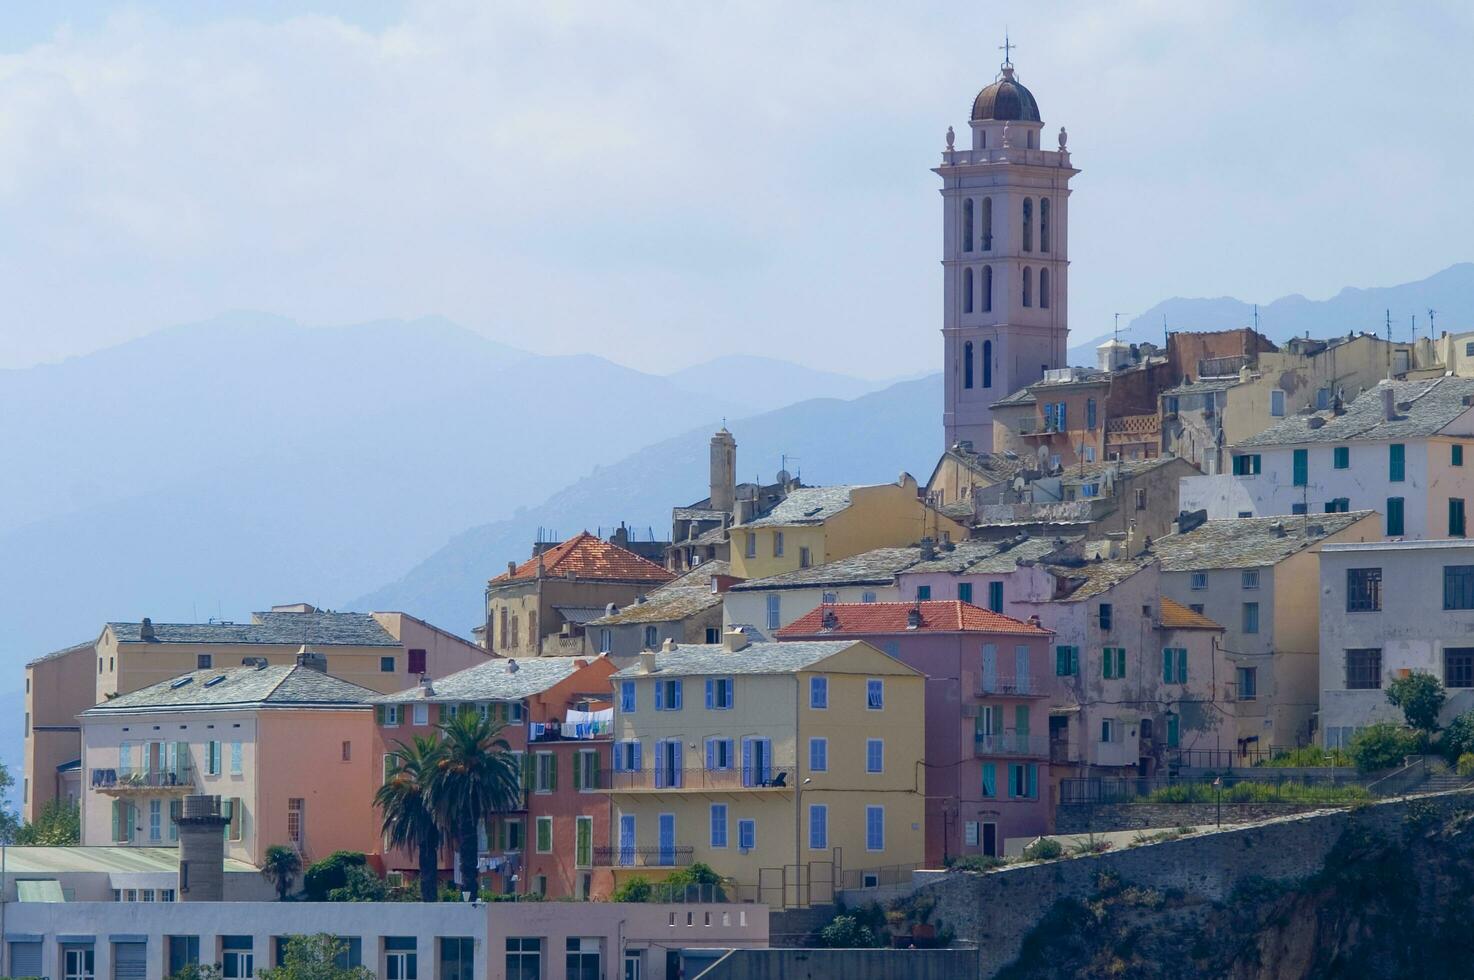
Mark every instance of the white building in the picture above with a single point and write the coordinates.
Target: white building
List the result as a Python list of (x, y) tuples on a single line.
[(1398, 449), (1389, 608)]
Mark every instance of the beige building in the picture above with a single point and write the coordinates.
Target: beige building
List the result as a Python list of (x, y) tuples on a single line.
[(58, 688), (785, 767), (687, 610), (961, 474)]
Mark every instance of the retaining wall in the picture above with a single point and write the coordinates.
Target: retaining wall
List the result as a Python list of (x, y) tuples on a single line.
[(1084, 818)]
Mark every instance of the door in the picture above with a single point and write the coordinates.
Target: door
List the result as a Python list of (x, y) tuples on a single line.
[(130, 961), (626, 839), (757, 761), (77, 963), (25, 959), (634, 964), (667, 839), (990, 839)]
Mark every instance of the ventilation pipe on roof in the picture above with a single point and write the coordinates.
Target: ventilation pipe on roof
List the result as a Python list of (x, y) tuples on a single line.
[(427, 686), (928, 549), (1034, 621), (735, 639), (830, 620), (513, 666), (146, 630), (1389, 402)]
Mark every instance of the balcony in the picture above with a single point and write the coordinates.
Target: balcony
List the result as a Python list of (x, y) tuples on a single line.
[(120, 781), (1019, 686), (1008, 743), (556, 731), (741, 780), (1059, 751), (628, 856)]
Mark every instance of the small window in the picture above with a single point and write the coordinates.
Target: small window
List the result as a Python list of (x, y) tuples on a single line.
[(1458, 667), (875, 694), (1250, 579), (422, 714), (1113, 663), (749, 549), (627, 696), (1105, 617), (1300, 475), (1457, 457), (1456, 517), (1251, 617), (1246, 465), (1397, 462), (805, 557), (1199, 581), (818, 827), (1363, 670), (1066, 661), (606, 639), (416, 661), (818, 755), (1341, 457), (1109, 731), (1458, 587), (386, 665), (874, 755), (923, 593), (829, 598), (995, 596), (964, 592), (1248, 683), (777, 544), (1297, 508), (652, 637), (204, 661), (1197, 607), (719, 695), (1277, 403), (1363, 590), (867, 596), (775, 616), (746, 835), (1174, 665), (668, 695), (818, 692), (1395, 520)]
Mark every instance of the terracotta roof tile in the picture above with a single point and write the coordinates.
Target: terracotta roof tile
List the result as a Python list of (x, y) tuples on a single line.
[(1176, 616), (939, 616), (587, 556)]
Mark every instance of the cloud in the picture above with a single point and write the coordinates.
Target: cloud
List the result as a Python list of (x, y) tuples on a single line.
[(658, 182)]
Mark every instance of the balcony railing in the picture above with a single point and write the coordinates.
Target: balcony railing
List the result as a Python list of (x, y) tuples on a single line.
[(139, 778), (1011, 744), (739, 778), (642, 857), (1019, 686), (558, 732)]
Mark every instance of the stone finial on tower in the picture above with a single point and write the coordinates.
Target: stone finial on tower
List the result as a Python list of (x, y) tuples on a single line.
[(723, 470), (951, 140), (1064, 138)]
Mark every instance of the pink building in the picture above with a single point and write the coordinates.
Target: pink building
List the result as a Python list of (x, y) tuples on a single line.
[(987, 745), (555, 712)]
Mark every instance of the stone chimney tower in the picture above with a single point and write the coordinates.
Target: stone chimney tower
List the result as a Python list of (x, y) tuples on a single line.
[(202, 822), (723, 470)]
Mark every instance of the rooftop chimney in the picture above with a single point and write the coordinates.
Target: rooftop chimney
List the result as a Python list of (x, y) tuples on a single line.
[(146, 630), (511, 568), (647, 662), (201, 821), (312, 660), (913, 618), (830, 620), (1034, 621), (669, 646), (1389, 402), (513, 666), (427, 686), (735, 639), (928, 549)]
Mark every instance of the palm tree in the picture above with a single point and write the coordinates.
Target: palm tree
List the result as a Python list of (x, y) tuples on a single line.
[(475, 776), (409, 819), (281, 867)]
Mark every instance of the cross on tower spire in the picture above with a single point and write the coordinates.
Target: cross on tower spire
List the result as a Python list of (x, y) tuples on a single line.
[(1007, 48)]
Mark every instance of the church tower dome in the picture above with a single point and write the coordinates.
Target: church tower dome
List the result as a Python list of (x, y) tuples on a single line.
[(1005, 100)]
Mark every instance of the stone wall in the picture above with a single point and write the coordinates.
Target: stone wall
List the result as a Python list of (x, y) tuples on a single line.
[(997, 909), (870, 964), (1085, 818)]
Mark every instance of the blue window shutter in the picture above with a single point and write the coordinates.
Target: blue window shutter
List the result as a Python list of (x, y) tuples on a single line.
[(659, 695), (711, 753), (731, 745), (638, 761), (747, 762), (678, 687), (711, 700)]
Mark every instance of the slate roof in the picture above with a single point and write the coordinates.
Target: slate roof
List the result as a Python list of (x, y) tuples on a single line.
[(280, 686), (806, 506), (1092, 578), (316, 629), (755, 658), (697, 514), (58, 654), (1174, 615), (882, 565), (683, 598), (1021, 397), (993, 467), (578, 615), (1203, 387), (1247, 542), (1431, 405), (588, 556), (1125, 469), (938, 616), (503, 679), (43, 859)]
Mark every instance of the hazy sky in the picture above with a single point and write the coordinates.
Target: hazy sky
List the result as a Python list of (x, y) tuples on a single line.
[(664, 182)]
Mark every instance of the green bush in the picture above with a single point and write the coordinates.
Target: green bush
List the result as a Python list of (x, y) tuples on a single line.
[(1382, 746), (330, 873), (1420, 695), (1308, 757), (1250, 791), (676, 886), (59, 824), (1043, 849), (1458, 738), (359, 885), (845, 932), (1466, 765), (978, 862), (636, 889)]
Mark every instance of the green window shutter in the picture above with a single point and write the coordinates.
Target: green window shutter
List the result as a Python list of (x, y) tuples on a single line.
[(379, 713), (578, 771), (1105, 663), (1182, 665), (528, 762), (552, 772), (117, 820), (501, 835), (593, 780), (1074, 661), (1301, 464), (1167, 666), (1397, 462), (439, 713)]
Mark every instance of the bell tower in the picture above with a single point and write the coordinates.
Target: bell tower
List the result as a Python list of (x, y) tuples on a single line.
[(1005, 257)]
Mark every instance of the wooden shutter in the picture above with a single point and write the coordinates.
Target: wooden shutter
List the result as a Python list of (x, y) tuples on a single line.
[(1182, 665)]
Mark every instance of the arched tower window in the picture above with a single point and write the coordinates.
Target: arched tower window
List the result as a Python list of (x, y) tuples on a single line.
[(987, 289), (1043, 224), (1044, 289), (1028, 286), (1032, 137), (966, 290), (987, 224), (967, 365), (967, 224), (987, 364), (1028, 224)]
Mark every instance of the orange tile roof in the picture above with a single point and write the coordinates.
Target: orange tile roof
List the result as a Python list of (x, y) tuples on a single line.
[(1176, 616), (587, 556), (937, 616)]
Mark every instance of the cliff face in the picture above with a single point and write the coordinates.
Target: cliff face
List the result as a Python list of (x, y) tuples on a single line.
[(1383, 905)]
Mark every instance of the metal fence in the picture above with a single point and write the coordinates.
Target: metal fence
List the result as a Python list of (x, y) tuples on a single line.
[(1226, 758), (737, 778), (889, 874), (642, 857)]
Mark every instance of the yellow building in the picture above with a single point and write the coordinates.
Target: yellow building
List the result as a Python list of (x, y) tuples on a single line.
[(789, 768), (815, 525)]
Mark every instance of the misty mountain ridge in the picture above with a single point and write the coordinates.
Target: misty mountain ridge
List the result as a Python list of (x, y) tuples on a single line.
[(1449, 292)]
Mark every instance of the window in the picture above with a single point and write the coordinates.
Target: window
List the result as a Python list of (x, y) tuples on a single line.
[(719, 693), (713, 635), (1246, 465), (212, 758), (627, 696), (1363, 670), (1248, 678), (987, 224), (1456, 517), (988, 344), (155, 820), (777, 544), (1338, 506), (1066, 661), (1043, 223), (204, 661), (1043, 289), (1105, 616), (746, 835), (874, 694), (386, 665), (1397, 462), (964, 592), (182, 951), (545, 835), (719, 825), (1028, 216), (652, 637), (237, 961), (1458, 667), (295, 815), (1395, 521), (235, 829), (1090, 413), (818, 827), (1251, 617), (1174, 665), (399, 958), (583, 842), (1456, 454), (1028, 291), (1174, 730), (1110, 731), (417, 661), (775, 618), (967, 236), (1250, 579), (668, 694), (719, 752), (1196, 607), (818, 755), (1294, 509), (867, 596), (1277, 403), (422, 714), (995, 596), (1363, 590), (1199, 581), (923, 593), (875, 828), (390, 715), (1113, 663), (586, 770), (1023, 781), (546, 772), (606, 639), (874, 755), (237, 750), (1341, 457), (457, 958), (805, 557), (1458, 586), (967, 347), (1250, 513), (750, 546), (347, 751), (818, 692), (1301, 467)]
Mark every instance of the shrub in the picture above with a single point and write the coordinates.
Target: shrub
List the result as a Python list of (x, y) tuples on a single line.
[(636, 889), (1420, 695), (978, 862), (59, 824), (1382, 746), (1090, 845), (1458, 738), (1466, 765), (698, 879), (1250, 791), (1308, 757), (1043, 849), (330, 873), (359, 885), (845, 932)]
